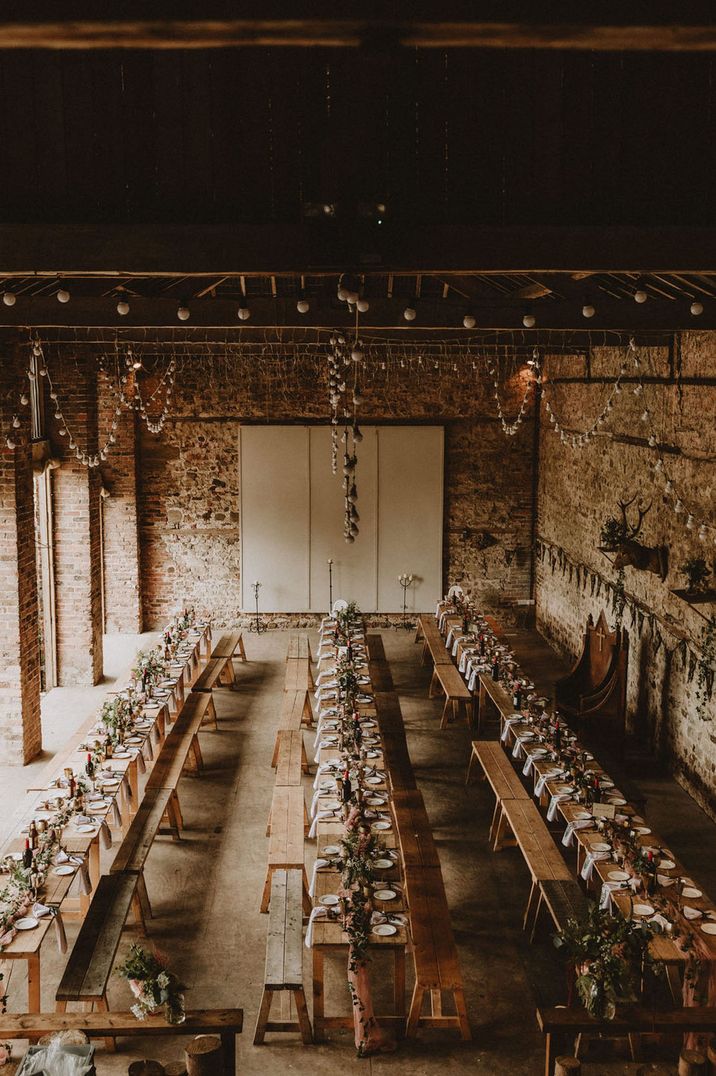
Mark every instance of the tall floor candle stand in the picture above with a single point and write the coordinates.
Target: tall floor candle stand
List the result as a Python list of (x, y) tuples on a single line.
[(256, 587), (406, 581)]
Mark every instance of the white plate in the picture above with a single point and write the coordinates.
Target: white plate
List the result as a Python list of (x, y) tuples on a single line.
[(322, 863), (667, 864), (28, 923), (86, 829), (331, 849), (643, 830), (382, 864), (373, 754), (384, 930), (385, 894), (64, 870), (121, 754), (618, 876), (643, 909), (600, 846), (582, 815), (134, 739), (375, 801), (329, 900), (95, 808), (692, 913), (690, 891), (708, 928), (381, 824), (616, 800), (374, 780)]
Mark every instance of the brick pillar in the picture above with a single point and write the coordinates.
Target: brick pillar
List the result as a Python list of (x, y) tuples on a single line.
[(77, 537), (122, 591), (20, 730)]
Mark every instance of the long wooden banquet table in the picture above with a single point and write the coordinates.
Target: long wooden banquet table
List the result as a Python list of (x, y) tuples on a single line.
[(83, 836), (402, 824), (679, 905)]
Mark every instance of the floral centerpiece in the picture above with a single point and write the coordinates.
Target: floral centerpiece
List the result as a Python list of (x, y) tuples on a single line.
[(152, 985), (5, 1052), (149, 666), (607, 954)]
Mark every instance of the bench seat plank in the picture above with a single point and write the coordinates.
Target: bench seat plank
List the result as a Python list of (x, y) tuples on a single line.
[(227, 646), (90, 963)]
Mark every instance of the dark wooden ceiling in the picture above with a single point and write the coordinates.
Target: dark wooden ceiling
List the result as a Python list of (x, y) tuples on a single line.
[(438, 136)]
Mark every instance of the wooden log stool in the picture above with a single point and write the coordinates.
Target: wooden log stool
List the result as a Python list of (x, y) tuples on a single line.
[(204, 1056)]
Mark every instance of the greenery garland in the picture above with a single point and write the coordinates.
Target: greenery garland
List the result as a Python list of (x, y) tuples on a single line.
[(705, 678)]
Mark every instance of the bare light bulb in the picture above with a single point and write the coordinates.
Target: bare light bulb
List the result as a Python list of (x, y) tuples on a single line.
[(9, 298), (468, 321), (588, 311), (529, 321), (303, 306), (409, 313), (363, 305), (696, 309), (244, 313), (343, 293), (640, 296), (183, 313), (123, 307), (63, 296)]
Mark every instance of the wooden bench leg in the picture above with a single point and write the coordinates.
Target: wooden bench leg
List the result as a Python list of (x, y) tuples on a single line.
[(138, 913), (424, 655), (262, 1018), (110, 1044), (433, 681), (538, 909), (242, 652), (144, 896), (399, 982), (470, 765), (304, 1022), (493, 823), (173, 815), (461, 1010), (307, 714), (500, 831), (318, 995), (446, 713), (196, 753), (534, 889), (210, 715), (418, 632), (416, 1006), (436, 1002), (305, 768), (266, 895), (307, 902), (274, 757)]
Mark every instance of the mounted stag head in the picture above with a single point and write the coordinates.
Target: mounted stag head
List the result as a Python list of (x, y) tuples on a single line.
[(620, 537)]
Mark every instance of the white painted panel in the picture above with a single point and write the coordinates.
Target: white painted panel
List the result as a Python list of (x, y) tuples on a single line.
[(355, 570), (410, 509), (275, 525)]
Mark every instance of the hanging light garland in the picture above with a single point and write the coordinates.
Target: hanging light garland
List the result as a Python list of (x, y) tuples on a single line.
[(511, 428)]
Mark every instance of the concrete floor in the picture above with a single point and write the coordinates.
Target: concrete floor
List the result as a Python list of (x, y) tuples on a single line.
[(205, 890)]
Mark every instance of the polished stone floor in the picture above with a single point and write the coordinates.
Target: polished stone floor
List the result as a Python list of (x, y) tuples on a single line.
[(205, 889)]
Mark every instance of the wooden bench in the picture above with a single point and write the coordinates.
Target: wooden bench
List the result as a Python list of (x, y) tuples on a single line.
[(296, 714), (180, 749), (298, 675), (541, 855), (228, 644), (284, 957), (299, 646), (291, 760), (90, 963), (456, 693), (217, 672), (629, 1021), (415, 833), (433, 642), (287, 823), (395, 747), (437, 969), (498, 772), (227, 1023), (133, 851)]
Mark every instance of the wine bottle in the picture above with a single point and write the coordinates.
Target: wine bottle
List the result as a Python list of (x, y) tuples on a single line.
[(32, 835), (517, 695), (481, 645), (89, 766), (557, 735), (495, 668), (27, 856), (347, 786)]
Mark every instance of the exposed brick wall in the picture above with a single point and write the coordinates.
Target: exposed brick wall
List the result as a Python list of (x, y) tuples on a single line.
[(578, 490), (189, 483), (77, 539), (122, 597), (20, 730)]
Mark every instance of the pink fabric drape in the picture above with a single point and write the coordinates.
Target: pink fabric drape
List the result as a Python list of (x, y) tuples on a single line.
[(700, 992)]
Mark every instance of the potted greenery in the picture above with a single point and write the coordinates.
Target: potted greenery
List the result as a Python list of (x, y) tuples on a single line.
[(152, 985), (697, 572), (607, 954)]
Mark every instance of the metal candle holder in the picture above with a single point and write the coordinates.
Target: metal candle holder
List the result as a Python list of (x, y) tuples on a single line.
[(406, 581), (256, 587), (330, 584)]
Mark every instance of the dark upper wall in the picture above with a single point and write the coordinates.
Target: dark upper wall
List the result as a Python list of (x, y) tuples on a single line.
[(464, 135)]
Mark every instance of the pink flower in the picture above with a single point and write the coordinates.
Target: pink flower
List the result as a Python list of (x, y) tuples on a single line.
[(4, 1054)]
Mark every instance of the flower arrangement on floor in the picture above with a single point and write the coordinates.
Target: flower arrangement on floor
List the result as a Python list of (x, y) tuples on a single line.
[(5, 1052), (608, 954), (153, 985)]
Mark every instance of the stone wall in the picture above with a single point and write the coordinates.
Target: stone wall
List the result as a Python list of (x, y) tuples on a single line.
[(189, 480), (578, 490)]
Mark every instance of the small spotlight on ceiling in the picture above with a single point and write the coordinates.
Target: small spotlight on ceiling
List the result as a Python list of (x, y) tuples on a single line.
[(469, 321), (409, 313), (244, 312), (303, 305), (9, 298), (123, 307), (696, 308), (183, 313), (63, 296), (640, 295), (588, 311), (529, 321)]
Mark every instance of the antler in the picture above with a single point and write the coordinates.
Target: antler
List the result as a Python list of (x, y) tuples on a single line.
[(632, 532)]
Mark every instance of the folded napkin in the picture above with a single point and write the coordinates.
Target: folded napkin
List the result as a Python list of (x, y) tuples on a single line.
[(664, 880), (323, 745), (147, 750), (558, 797), (588, 866), (105, 835), (325, 767), (62, 856), (509, 722), (388, 917), (532, 757), (325, 674), (84, 876), (572, 827), (7, 937), (518, 751), (322, 816), (114, 811), (141, 765), (319, 912), (542, 780)]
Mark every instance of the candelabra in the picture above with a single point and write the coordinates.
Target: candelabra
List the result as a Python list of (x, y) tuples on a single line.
[(330, 585), (256, 587), (406, 581)]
